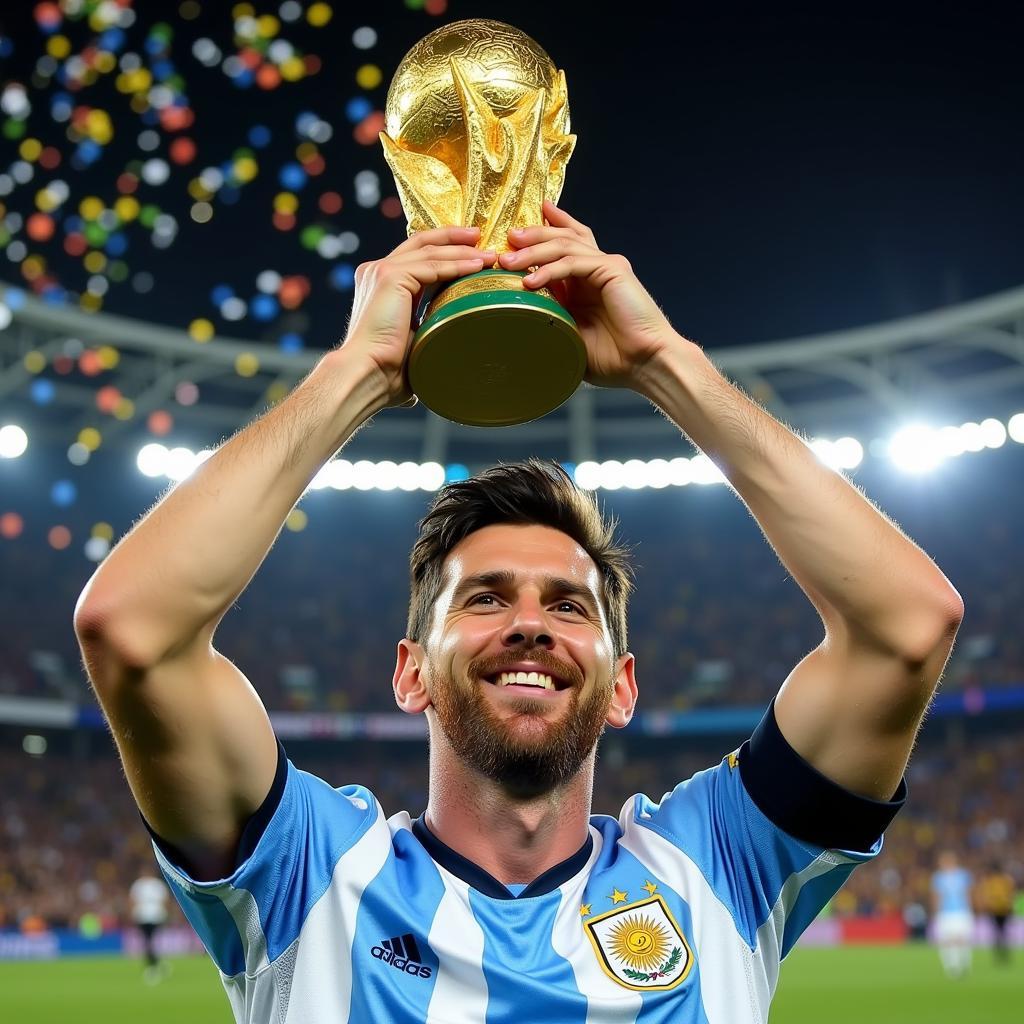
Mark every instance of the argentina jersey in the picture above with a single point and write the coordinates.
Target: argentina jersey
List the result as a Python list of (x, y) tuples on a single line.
[(676, 911)]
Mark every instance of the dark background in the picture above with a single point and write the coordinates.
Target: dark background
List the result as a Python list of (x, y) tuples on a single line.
[(769, 172)]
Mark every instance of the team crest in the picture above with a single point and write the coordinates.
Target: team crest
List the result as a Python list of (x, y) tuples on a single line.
[(640, 946)]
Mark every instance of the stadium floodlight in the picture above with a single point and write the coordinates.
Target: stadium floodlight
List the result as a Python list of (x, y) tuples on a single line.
[(1015, 428), (588, 475), (611, 476), (13, 441), (181, 463), (408, 476), (680, 471), (386, 476), (993, 433), (973, 436), (659, 474), (918, 448), (634, 474), (364, 475), (705, 471), (152, 460), (431, 476)]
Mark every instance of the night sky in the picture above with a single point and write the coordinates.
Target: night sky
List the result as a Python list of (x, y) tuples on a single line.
[(768, 173)]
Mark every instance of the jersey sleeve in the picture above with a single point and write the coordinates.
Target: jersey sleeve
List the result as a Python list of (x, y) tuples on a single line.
[(772, 837), (286, 859)]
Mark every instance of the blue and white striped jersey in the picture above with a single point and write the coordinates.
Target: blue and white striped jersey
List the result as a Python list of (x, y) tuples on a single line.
[(677, 911)]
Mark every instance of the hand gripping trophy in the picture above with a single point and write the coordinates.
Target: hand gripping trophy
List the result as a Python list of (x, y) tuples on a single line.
[(477, 121)]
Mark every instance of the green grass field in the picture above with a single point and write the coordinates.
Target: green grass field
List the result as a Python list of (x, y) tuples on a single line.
[(818, 986)]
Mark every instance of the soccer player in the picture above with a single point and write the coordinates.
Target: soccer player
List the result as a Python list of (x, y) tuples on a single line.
[(505, 899), (954, 919), (997, 890), (148, 896)]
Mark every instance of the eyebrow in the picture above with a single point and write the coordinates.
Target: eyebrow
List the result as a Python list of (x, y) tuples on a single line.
[(505, 578)]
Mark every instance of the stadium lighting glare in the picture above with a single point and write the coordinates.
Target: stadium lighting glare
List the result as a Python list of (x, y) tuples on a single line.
[(152, 460), (705, 471), (1015, 428), (916, 449), (846, 453), (588, 475), (181, 463), (13, 441), (993, 433)]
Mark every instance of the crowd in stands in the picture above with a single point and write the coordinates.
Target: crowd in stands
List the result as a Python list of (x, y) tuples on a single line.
[(72, 841), (715, 618)]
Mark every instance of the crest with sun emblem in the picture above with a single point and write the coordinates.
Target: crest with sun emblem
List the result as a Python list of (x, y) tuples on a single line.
[(640, 946)]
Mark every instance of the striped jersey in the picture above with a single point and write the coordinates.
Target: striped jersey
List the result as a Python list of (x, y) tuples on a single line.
[(676, 911)]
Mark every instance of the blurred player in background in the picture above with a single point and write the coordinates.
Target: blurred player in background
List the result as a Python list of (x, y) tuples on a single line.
[(996, 893), (954, 919), (148, 897)]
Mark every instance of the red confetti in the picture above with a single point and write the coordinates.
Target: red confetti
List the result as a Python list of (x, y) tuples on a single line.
[(330, 203), (40, 227), (368, 130), (183, 150), (11, 525)]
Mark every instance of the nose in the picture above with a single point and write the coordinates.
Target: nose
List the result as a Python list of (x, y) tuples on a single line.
[(527, 627)]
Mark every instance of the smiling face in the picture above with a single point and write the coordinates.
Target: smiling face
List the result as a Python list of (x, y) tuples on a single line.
[(527, 598)]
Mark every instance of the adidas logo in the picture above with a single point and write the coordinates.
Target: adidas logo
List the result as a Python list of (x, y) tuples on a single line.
[(403, 953)]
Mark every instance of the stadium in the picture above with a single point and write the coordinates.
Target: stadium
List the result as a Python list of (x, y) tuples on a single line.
[(186, 190)]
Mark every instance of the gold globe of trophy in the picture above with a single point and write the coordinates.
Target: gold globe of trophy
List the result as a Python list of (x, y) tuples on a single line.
[(477, 121)]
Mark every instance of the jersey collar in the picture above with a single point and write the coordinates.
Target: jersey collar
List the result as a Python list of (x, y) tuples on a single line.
[(486, 883)]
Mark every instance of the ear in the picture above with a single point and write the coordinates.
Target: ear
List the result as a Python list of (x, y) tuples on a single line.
[(624, 693), (410, 689)]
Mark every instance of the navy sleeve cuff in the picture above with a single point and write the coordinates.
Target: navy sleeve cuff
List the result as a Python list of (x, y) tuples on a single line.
[(804, 803), (254, 827)]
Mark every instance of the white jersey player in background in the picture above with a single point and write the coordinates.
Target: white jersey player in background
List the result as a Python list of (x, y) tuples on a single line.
[(149, 896), (506, 899)]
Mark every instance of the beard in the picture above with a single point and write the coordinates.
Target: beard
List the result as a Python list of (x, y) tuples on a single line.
[(527, 762)]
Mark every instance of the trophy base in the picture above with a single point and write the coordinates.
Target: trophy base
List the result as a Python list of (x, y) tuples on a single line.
[(491, 353)]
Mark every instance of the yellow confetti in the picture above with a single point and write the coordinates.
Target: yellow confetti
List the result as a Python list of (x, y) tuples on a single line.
[(200, 329)]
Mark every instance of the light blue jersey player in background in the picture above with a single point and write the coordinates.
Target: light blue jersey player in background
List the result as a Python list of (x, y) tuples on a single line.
[(953, 925), (504, 899)]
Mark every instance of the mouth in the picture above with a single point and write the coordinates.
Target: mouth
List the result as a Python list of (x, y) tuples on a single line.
[(531, 684)]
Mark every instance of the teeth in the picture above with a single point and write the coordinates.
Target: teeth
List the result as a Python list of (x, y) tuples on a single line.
[(526, 679)]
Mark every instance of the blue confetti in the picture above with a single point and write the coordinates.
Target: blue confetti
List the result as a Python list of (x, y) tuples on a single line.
[(63, 493), (290, 342), (221, 293), (454, 472), (264, 307), (259, 136), (292, 177), (356, 109), (42, 391)]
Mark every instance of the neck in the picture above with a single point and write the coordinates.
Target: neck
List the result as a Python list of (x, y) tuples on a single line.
[(513, 839)]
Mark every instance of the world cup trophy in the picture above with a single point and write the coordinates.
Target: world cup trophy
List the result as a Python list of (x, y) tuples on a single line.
[(477, 134)]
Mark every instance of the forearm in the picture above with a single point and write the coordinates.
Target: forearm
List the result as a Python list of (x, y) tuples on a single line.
[(183, 565), (854, 564)]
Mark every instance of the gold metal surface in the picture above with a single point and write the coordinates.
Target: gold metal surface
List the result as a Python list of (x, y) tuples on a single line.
[(477, 130), (497, 366)]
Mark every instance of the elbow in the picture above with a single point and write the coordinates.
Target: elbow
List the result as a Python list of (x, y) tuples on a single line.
[(937, 635)]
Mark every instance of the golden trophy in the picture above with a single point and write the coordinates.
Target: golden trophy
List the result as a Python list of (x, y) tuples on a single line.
[(477, 122)]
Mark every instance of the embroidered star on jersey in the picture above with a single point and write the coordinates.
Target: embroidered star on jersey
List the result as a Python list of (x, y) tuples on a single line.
[(618, 897), (650, 887)]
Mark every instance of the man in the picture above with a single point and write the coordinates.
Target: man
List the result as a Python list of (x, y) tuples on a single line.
[(505, 900), (148, 896), (954, 920), (997, 890)]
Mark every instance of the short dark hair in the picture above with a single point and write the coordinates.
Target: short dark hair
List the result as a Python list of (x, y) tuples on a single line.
[(532, 492)]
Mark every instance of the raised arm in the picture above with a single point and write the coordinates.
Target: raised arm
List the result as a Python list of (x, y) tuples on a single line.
[(852, 707), (196, 742)]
